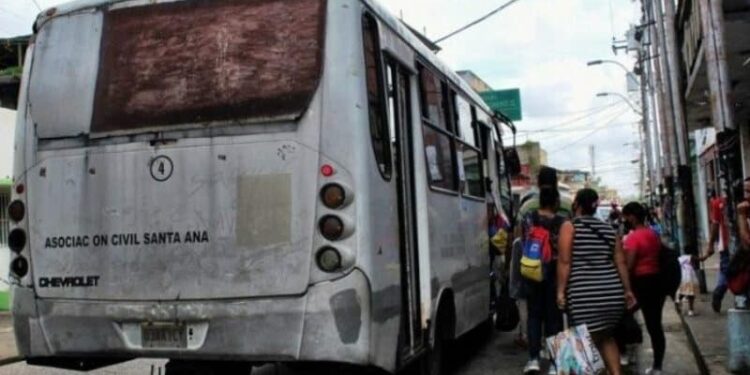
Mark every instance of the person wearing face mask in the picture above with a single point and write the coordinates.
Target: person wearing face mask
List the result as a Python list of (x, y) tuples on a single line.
[(642, 247)]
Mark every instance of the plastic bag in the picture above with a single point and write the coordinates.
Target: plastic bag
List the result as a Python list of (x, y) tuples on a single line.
[(574, 352)]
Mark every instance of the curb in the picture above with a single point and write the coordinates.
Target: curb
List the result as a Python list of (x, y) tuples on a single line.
[(694, 347), (10, 360)]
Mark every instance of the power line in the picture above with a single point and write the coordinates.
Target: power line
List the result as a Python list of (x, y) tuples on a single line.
[(606, 125), (606, 118), (473, 23), (565, 125), (37, 5)]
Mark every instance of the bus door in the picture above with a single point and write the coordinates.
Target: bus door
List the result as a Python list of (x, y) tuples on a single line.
[(399, 104)]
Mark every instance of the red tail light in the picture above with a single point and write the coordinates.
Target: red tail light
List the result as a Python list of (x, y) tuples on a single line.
[(17, 240), (333, 196), (16, 211), (331, 227)]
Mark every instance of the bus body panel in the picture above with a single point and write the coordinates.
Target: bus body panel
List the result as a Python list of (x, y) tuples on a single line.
[(273, 329), (345, 137), (233, 218)]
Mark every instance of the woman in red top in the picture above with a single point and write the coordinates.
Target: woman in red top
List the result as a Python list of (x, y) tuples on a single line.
[(642, 246)]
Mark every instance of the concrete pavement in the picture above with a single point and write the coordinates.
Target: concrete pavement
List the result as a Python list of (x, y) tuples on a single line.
[(7, 341), (708, 330)]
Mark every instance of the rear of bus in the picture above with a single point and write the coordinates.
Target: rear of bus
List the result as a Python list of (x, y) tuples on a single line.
[(169, 183)]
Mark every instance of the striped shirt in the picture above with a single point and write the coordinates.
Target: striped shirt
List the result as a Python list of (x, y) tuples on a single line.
[(595, 293)]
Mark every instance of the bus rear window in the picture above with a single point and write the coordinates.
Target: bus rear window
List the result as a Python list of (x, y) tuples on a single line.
[(196, 61)]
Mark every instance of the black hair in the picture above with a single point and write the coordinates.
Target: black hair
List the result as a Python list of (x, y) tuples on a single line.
[(587, 200), (549, 197), (747, 179), (547, 177), (635, 209)]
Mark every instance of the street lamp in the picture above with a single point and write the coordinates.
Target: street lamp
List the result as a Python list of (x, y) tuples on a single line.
[(624, 98), (628, 73)]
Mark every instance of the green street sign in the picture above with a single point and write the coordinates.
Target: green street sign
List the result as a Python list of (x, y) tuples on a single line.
[(508, 102)]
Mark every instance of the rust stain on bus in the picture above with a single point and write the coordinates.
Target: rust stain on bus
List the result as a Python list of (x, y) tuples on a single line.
[(198, 61)]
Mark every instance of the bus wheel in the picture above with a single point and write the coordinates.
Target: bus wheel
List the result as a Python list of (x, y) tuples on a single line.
[(178, 367), (433, 362)]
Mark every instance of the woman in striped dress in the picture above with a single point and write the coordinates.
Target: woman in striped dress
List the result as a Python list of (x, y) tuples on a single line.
[(593, 284)]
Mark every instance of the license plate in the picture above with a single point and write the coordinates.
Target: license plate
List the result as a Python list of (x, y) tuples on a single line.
[(163, 335)]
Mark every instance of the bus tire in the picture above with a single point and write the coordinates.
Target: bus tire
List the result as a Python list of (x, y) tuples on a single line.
[(434, 361), (180, 367)]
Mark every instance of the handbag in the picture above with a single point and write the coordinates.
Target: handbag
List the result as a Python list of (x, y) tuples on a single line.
[(507, 315), (573, 351)]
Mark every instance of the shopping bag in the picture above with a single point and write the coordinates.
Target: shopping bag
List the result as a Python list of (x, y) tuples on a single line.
[(574, 353)]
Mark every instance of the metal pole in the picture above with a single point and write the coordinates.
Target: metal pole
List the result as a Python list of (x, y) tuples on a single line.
[(674, 79), (685, 194), (646, 144), (656, 143), (641, 169), (665, 105), (672, 198)]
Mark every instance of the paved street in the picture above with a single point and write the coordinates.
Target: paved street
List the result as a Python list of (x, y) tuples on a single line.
[(472, 356)]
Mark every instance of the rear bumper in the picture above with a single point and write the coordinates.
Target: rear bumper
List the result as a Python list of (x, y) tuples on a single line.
[(329, 323)]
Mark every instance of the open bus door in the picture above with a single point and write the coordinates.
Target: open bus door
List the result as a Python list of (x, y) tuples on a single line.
[(411, 340)]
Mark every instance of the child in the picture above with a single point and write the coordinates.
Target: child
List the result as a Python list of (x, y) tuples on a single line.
[(689, 284)]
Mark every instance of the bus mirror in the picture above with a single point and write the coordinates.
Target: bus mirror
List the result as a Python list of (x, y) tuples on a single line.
[(512, 162)]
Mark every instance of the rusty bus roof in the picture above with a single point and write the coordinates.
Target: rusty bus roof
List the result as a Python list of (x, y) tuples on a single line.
[(398, 27)]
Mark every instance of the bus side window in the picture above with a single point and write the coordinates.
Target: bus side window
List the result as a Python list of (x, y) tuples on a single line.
[(438, 138), (506, 194), (470, 154), (379, 134)]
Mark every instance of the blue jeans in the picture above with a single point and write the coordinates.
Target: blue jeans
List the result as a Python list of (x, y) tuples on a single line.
[(721, 282), (541, 305)]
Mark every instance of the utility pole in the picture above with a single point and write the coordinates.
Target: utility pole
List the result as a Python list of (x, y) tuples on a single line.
[(641, 169), (653, 8), (685, 201), (592, 155), (646, 142)]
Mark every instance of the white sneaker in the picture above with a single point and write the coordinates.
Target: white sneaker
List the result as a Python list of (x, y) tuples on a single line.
[(552, 370), (691, 313), (653, 372), (532, 366)]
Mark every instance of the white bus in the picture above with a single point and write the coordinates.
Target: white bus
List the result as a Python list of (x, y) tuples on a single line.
[(229, 183)]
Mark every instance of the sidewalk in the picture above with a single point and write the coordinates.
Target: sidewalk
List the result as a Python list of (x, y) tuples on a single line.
[(679, 359), (7, 340), (708, 330)]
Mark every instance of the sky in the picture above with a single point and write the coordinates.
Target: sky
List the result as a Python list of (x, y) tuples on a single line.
[(538, 46)]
